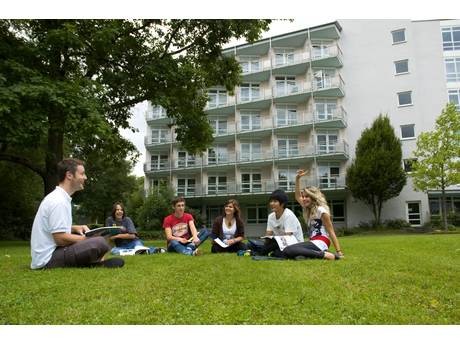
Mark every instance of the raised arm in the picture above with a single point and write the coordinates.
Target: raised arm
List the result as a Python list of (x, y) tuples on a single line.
[(300, 173)]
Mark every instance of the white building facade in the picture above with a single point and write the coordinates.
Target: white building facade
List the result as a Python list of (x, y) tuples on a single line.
[(305, 99)]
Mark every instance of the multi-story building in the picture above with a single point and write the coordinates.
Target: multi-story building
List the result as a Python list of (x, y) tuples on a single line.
[(305, 99)]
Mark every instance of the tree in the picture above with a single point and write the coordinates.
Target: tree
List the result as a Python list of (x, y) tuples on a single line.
[(437, 164), (157, 205), (376, 174), (56, 75)]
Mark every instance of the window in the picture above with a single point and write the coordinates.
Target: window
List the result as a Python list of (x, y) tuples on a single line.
[(323, 78), (405, 98), (156, 183), (288, 147), (185, 159), (250, 64), (251, 182), (286, 178), (407, 131), (158, 112), (211, 214), (328, 176), (408, 164), (217, 184), (217, 98), (217, 154), (451, 38), (327, 142), (413, 213), (159, 162), (452, 69), (251, 151), (399, 36), (320, 49), (402, 66), (160, 136), (286, 115), (337, 210), (454, 97), (285, 86), (325, 109), (250, 120), (257, 214), (249, 92), (186, 186), (284, 56), (219, 126)]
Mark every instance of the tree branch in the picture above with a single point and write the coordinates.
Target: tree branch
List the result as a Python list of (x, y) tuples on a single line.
[(171, 37), (24, 162), (190, 45)]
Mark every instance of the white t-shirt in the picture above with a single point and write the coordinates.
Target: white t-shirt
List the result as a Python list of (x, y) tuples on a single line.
[(316, 228), (229, 232), (288, 222), (54, 215)]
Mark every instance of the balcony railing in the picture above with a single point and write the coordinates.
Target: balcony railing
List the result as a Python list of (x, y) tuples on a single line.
[(339, 147), (328, 83), (263, 123), (253, 96), (291, 89), (263, 64), (158, 140), (293, 152), (337, 114), (220, 102), (293, 119), (290, 59), (326, 52), (258, 186), (162, 165)]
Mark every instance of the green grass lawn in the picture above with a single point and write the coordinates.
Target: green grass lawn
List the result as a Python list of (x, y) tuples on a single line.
[(385, 279)]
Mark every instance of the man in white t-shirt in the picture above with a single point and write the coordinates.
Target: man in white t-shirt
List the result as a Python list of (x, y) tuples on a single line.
[(282, 224), (55, 242)]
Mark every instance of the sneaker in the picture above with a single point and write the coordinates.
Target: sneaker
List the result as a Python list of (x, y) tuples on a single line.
[(196, 252), (110, 263), (159, 251), (248, 252)]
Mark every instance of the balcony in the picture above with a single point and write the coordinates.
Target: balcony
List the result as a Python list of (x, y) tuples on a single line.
[(329, 87), (334, 119), (291, 154), (291, 64), (256, 129), (224, 135), (254, 99), (159, 168), (259, 187), (157, 116), (337, 150), (293, 123), (292, 93), (258, 157), (257, 72), (221, 105), (329, 56), (157, 142)]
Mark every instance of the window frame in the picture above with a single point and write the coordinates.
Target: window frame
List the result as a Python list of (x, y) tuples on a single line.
[(407, 126), (399, 99), (393, 32), (396, 68)]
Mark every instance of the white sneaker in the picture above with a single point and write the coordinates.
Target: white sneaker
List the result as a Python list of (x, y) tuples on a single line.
[(197, 252)]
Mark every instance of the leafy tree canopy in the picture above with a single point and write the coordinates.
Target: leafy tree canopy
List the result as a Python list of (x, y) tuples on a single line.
[(59, 76)]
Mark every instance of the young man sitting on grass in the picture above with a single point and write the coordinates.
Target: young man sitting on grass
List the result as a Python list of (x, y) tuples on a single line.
[(181, 233), (55, 242)]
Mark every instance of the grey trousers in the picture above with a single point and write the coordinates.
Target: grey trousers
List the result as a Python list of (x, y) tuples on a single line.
[(80, 254)]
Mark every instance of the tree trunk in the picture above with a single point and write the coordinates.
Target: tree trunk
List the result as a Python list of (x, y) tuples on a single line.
[(55, 150), (444, 208)]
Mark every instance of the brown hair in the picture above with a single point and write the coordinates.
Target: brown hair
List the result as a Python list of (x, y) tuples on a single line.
[(176, 200), (68, 164), (114, 209), (236, 206)]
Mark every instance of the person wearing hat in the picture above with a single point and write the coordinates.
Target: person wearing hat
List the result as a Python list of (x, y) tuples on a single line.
[(283, 227), (321, 231)]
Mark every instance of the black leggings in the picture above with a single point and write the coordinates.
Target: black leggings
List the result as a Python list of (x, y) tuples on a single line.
[(306, 249)]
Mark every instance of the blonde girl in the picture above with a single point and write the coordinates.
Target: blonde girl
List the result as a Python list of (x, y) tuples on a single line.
[(320, 229)]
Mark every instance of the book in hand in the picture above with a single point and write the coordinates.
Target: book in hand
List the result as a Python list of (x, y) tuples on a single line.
[(137, 250), (106, 231), (221, 243), (283, 240)]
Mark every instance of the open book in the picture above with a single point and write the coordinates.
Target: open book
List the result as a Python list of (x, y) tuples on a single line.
[(221, 243), (106, 231), (137, 250), (283, 240)]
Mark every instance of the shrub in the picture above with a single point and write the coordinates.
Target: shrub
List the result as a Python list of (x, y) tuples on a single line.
[(397, 224)]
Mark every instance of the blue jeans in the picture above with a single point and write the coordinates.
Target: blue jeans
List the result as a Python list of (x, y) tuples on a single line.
[(188, 248), (131, 245)]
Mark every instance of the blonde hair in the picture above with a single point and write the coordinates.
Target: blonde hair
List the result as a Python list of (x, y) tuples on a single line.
[(317, 199)]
